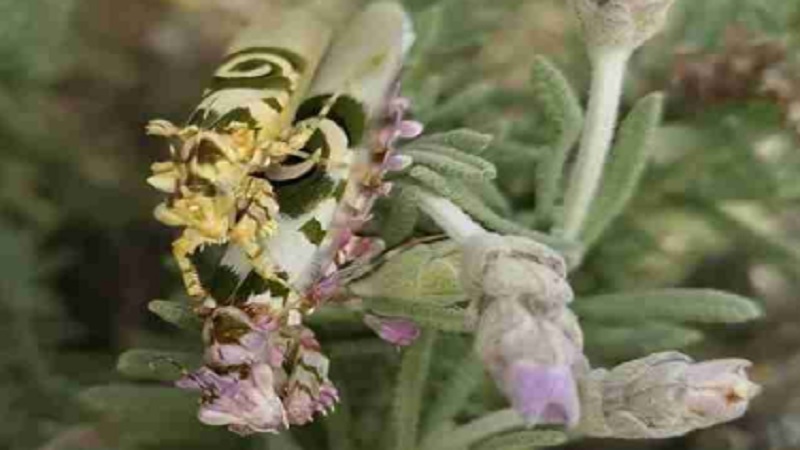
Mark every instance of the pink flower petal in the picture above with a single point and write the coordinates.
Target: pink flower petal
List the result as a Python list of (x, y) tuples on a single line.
[(409, 129), (401, 332)]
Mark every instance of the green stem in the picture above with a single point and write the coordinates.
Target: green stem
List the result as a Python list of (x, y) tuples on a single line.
[(461, 383), (608, 72), (475, 431), (410, 390)]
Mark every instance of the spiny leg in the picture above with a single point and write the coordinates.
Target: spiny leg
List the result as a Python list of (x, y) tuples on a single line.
[(294, 140), (255, 224), (182, 249)]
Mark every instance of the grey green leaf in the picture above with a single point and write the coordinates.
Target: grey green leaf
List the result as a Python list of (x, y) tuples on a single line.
[(677, 305), (178, 314), (156, 365), (625, 167)]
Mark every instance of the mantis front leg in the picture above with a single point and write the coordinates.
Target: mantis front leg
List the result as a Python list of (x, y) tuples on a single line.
[(182, 249)]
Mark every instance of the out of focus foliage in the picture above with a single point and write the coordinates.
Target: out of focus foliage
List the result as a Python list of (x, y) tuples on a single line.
[(81, 256)]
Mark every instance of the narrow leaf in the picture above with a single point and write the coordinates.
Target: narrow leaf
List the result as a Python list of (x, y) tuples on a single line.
[(462, 382), (178, 314), (475, 431), (748, 231), (425, 273), (679, 305), (617, 342), (448, 166), (359, 348), (410, 390), (464, 139), (490, 194), (625, 167), (523, 440), (431, 316), (156, 365), (564, 115), (428, 27), (401, 217), (455, 108), (278, 441), (338, 425), (154, 417), (448, 161), (135, 401)]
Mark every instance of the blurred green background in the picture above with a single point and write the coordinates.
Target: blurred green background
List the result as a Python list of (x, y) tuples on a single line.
[(81, 255)]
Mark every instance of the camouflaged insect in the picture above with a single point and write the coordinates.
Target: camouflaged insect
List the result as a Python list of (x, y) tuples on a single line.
[(282, 159)]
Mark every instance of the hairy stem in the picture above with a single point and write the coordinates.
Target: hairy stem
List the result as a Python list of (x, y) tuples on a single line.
[(608, 72), (410, 390), (475, 431), (455, 222)]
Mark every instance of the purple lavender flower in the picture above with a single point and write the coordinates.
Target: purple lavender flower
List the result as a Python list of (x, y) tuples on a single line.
[(546, 394), (245, 401), (527, 338), (396, 127), (397, 331), (531, 359)]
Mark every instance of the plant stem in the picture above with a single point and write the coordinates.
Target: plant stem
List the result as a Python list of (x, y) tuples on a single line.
[(608, 72), (455, 222), (410, 390), (475, 431), (461, 383)]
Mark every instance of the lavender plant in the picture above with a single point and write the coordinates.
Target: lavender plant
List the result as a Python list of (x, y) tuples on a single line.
[(411, 237)]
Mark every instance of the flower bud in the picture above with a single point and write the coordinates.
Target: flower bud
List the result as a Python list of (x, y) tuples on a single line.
[(621, 24), (397, 331), (664, 395), (531, 358), (243, 400), (508, 267)]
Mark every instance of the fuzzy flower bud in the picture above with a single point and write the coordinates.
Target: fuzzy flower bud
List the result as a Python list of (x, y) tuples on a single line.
[(531, 359), (397, 331), (509, 267), (621, 23), (244, 400), (526, 337), (664, 395)]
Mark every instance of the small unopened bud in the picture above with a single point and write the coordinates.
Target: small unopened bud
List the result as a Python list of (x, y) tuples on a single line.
[(664, 395), (621, 23), (397, 331)]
